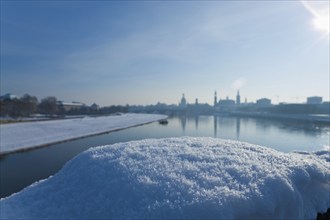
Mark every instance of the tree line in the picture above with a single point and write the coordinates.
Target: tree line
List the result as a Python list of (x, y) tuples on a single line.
[(28, 105)]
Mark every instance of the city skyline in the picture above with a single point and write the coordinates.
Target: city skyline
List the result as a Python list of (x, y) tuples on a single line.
[(237, 100), (118, 53)]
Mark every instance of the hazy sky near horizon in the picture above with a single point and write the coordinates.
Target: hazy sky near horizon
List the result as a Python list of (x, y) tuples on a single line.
[(144, 52)]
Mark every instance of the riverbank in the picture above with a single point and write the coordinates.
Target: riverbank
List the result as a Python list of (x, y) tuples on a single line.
[(23, 136), (9, 120)]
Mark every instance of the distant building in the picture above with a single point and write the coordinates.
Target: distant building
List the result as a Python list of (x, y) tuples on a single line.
[(238, 98), (67, 106), (314, 100), (183, 102), (95, 107), (226, 102), (264, 102), (215, 99), (196, 101)]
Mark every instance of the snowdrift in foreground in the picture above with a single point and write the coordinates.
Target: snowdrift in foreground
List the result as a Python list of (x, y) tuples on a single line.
[(20, 136), (180, 178)]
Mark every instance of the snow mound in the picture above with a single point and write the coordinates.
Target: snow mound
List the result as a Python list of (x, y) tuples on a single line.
[(180, 178)]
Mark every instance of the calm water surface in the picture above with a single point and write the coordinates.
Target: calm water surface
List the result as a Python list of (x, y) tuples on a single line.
[(22, 169)]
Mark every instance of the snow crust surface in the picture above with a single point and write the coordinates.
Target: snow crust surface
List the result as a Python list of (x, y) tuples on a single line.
[(18, 136), (180, 178)]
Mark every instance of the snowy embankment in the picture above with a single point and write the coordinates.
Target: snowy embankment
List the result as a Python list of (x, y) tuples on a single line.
[(19, 136), (179, 178)]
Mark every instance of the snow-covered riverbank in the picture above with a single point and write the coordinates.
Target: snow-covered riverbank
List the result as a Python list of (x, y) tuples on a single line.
[(180, 178), (19, 136)]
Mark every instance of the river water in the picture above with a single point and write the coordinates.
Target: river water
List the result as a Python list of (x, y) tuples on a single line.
[(19, 170)]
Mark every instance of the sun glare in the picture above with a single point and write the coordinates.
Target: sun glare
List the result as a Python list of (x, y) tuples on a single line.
[(322, 23), (320, 12)]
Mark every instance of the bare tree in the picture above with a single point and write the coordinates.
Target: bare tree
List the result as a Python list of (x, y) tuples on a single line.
[(28, 105), (48, 105)]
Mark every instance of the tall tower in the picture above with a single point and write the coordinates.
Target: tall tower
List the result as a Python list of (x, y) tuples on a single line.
[(238, 98), (183, 102), (215, 98)]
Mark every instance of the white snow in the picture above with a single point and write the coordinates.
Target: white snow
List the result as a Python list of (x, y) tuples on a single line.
[(179, 178), (18, 136)]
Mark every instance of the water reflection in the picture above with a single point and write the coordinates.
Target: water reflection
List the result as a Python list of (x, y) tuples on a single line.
[(281, 135), (215, 125), (183, 120), (196, 122), (307, 128), (238, 127)]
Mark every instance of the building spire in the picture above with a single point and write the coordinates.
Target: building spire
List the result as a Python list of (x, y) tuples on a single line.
[(238, 98)]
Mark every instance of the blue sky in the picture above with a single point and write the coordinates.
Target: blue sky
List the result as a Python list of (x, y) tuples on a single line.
[(144, 52)]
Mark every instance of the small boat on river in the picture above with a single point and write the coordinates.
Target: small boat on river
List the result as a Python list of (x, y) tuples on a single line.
[(163, 122)]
